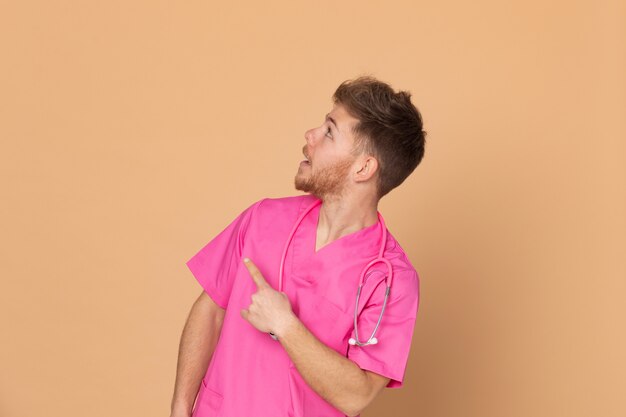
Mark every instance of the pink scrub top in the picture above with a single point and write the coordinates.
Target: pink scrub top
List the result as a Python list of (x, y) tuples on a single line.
[(250, 374)]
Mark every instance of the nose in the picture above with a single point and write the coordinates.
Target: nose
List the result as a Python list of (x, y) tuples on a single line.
[(313, 135), (309, 136)]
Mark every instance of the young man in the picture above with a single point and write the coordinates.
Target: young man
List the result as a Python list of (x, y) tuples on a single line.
[(273, 331)]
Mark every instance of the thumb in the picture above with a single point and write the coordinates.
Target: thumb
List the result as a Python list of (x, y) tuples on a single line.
[(244, 314)]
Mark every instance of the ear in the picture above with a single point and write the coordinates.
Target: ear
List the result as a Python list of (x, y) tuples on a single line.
[(368, 167)]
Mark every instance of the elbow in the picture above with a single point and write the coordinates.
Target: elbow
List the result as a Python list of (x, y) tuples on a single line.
[(355, 408), (359, 398), (353, 412), (350, 407), (360, 401), (348, 412)]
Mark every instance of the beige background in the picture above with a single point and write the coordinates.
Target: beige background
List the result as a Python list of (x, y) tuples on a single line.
[(133, 132)]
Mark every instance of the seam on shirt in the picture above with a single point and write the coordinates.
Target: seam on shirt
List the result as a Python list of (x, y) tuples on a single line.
[(241, 238)]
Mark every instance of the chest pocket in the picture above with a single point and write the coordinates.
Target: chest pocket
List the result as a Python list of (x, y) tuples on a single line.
[(327, 321)]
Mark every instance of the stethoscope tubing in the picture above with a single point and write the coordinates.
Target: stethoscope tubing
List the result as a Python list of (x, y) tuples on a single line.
[(388, 279)]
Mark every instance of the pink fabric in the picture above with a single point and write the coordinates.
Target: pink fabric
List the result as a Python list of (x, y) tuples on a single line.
[(250, 374)]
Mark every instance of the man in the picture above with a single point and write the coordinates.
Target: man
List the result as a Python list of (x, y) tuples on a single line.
[(272, 333)]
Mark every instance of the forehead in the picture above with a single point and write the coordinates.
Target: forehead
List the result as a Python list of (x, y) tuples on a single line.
[(339, 112)]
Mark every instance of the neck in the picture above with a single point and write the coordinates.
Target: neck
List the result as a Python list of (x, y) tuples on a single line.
[(341, 216)]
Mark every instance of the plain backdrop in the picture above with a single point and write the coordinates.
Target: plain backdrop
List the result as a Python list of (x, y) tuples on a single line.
[(132, 132)]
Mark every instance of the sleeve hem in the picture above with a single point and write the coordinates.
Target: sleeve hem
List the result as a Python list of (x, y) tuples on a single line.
[(212, 292), (395, 381)]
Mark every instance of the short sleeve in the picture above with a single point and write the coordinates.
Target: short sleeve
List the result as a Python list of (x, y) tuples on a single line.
[(215, 265), (390, 355)]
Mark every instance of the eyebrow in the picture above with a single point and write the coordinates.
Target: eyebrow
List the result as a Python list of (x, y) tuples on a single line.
[(332, 120)]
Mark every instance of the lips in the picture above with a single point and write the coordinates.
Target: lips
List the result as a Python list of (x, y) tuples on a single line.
[(306, 162)]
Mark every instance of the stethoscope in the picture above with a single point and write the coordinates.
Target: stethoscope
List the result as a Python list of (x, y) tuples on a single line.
[(353, 341)]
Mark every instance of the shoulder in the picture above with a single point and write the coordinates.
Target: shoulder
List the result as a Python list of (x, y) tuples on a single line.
[(287, 201), (270, 209), (405, 285), (276, 206), (405, 272)]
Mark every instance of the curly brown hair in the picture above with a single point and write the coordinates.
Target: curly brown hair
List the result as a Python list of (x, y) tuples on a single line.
[(389, 128)]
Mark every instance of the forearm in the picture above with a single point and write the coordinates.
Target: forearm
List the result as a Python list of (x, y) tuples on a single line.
[(334, 377), (197, 344)]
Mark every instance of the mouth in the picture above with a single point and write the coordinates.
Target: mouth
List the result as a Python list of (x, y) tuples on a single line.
[(307, 161)]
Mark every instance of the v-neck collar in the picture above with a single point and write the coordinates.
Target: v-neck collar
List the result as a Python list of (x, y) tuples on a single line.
[(310, 268), (363, 239)]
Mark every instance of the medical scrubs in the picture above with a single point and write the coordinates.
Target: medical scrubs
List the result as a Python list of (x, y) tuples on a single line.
[(250, 374)]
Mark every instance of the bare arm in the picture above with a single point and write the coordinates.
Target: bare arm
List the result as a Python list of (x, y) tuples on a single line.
[(197, 344), (334, 377)]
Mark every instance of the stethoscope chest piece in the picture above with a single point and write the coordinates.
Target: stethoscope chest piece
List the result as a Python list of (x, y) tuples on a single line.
[(372, 341)]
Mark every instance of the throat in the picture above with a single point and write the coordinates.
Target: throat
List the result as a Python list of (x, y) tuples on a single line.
[(319, 244)]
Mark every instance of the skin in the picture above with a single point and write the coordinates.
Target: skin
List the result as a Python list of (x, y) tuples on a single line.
[(197, 344), (346, 185)]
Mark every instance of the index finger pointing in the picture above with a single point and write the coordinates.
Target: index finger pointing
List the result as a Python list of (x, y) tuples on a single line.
[(256, 275)]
